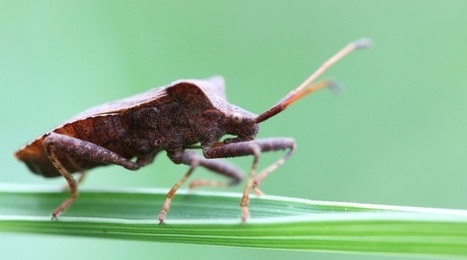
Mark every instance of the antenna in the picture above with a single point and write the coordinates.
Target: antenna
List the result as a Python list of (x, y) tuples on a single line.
[(307, 87)]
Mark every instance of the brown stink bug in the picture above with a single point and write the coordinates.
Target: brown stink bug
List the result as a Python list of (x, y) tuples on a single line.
[(175, 118)]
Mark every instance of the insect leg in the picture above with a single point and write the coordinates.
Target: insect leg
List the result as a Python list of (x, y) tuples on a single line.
[(185, 158), (55, 144), (218, 166), (172, 191), (291, 146), (82, 172), (255, 148), (192, 159)]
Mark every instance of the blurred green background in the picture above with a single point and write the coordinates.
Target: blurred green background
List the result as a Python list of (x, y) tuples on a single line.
[(396, 136)]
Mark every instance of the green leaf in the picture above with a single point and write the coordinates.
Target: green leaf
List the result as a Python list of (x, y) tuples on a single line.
[(214, 219)]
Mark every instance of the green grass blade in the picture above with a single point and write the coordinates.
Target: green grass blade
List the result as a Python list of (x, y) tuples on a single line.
[(214, 219)]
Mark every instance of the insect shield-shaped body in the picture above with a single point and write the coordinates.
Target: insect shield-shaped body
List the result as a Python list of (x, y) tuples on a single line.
[(132, 131)]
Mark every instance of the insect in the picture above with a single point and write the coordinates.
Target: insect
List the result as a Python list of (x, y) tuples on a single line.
[(177, 118)]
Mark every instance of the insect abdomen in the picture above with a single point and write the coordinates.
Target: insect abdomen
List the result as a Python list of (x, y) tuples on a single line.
[(102, 130)]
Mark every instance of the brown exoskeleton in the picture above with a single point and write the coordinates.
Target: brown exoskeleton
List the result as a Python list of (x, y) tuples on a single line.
[(132, 131)]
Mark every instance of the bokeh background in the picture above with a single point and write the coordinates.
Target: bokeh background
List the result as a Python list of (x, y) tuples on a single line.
[(396, 136)]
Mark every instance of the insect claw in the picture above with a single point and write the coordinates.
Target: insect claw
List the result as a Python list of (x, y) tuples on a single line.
[(161, 217)]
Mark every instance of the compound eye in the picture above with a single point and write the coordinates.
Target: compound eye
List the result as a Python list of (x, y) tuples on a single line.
[(237, 117)]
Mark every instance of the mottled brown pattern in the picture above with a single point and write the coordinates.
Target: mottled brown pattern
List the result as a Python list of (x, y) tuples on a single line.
[(159, 119)]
